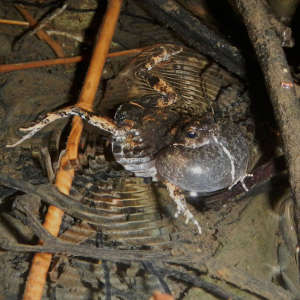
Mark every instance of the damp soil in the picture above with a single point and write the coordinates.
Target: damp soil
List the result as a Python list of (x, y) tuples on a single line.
[(252, 234)]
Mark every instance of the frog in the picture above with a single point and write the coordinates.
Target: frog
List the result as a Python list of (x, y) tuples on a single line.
[(176, 117)]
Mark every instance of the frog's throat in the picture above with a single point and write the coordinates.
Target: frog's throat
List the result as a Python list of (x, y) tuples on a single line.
[(227, 152)]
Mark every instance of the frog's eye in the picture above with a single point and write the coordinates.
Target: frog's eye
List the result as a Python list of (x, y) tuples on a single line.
[(191, 134)]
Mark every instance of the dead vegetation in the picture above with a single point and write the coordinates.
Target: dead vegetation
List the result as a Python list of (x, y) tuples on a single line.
[(249, 246)]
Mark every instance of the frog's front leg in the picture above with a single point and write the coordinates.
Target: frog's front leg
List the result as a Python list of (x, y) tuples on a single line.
[(103, 123), (177, 195), (152, 130), (131, 151)]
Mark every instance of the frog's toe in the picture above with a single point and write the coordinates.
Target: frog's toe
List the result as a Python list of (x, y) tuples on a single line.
[(242, 181)]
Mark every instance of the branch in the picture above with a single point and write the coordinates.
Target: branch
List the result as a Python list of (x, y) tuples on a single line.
[(280, 85), (42, 35), (61, 61), (262, 288), (198, 282), (197, 35), (115, 255)]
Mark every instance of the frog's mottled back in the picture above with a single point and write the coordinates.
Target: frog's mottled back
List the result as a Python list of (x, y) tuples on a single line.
[(190, 83)]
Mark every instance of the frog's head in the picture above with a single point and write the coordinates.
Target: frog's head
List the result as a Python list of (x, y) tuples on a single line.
[(206, 157), (197, 133)]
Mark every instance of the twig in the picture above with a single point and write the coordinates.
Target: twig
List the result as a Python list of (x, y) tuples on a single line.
[(41, 34), (38, 4), (78, 38), (60, 61), (127, 294), (115, 255), (14, 22), (196, 34), (157, 295), (51, 4), (32, 221), (196, 281), (280, 85), (41, 262), (54, 14), (262, 288), (40, 63), (149, 266), (107, 283)]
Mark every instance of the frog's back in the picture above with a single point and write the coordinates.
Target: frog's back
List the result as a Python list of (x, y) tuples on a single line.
[(170, 71)]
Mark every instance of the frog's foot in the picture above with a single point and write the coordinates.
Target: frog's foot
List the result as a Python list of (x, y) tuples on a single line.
[(103, 123), (36, 128), (130, 151), (177, 195), (242, 181), (166, 52)]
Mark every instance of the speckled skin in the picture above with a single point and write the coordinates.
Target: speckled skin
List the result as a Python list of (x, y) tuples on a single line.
[(167, 92)]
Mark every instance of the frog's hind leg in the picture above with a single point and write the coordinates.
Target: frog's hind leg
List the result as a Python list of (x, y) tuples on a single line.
[(177, 195), (159, 54), (103, 123)]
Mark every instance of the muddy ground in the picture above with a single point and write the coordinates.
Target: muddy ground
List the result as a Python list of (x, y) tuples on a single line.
[(248, 244)]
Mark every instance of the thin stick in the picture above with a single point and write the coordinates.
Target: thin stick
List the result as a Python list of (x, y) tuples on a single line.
[(196, 34), (14, 22), (104, 38), (78, 38), (48, 19), (38, 272), (41, 34), (60, 61), (280, 86), (263, 289)]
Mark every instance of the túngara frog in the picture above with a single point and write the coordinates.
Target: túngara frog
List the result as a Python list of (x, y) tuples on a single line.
[(178, 118)]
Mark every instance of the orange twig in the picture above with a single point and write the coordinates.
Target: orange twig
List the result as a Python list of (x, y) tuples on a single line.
[(14, 22), (60, 61), (41, 33), (38, 272), (39, 63), (160, 296)]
